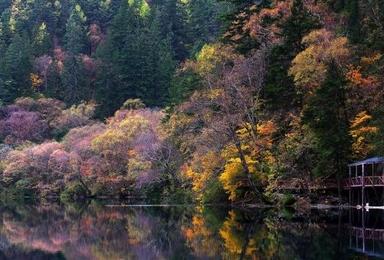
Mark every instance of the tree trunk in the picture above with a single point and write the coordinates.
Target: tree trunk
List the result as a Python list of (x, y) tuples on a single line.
[(243, 161)]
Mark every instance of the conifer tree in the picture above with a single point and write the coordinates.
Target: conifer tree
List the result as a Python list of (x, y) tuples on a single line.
[(41, 43), (75, 36), (280, 89), (73, 81), (173, 22), (204, 23), (17, 66), (4, 4), (352, 7), (326, 115)]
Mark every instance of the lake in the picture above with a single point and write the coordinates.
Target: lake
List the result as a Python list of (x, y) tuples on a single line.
[(96, 231)]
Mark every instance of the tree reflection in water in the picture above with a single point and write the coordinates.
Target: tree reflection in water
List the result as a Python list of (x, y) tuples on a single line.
[(93, 231)]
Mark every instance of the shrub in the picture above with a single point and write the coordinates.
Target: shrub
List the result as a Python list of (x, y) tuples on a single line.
[(214, 192), (73, 192)]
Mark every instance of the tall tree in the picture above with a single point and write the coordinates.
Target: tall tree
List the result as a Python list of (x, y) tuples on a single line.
[(326, 115), (17, 66), (173, 22), (280, 90), (205, 21), (4, 4), (352, 7), (74, 81), (41, 43), (75, 36)]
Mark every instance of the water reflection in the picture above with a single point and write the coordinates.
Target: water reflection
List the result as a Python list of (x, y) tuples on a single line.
[(366, 232), (94, 231)]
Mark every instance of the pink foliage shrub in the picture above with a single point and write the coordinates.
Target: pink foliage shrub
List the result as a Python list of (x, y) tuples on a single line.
[(42, 63), (41, 168), (78, 140), (125, 154), (23, 125), (39, 119), (75, 116)]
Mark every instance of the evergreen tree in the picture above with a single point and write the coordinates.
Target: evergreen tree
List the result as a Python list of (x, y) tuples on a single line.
[(163, 63), (137, 60), (17, 66), (352, 7), (107, 90), (3, 42), (325, 114), (45, 12), (73, 80), (5, 27), (75, 36), (20, 14), (204, 22), (54, 85), (4, 4), (173, 22), (113, 83), (300, 23), (280, 89), (183, 83), (41, 43)]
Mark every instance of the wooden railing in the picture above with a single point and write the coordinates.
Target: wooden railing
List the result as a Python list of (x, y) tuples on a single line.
[(368, 233), (299, 184), (367, 181)]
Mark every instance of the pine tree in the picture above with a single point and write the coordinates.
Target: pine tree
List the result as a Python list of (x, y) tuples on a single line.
[(3, 42), (20, 14), (204, 21), (4, 4), (280, 89), (41, 43), (45, 12), (114, 82), (173, 22), (73, 80), (75, 36), (300, 23), (163, 64), (352, 7), (325, 114), (5, 27), (54, 85), (17, 66)]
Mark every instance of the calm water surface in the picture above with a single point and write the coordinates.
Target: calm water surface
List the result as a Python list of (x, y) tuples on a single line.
[(95, 231)]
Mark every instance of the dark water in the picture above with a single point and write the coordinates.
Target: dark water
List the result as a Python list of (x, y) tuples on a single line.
[(95, 231)]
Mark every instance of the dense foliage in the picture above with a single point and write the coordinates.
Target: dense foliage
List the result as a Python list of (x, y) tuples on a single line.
[(247, 100), (106, 51)]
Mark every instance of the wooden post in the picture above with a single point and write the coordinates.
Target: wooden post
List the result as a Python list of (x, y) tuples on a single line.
[(362, 186), (349, 183), (363, 221)]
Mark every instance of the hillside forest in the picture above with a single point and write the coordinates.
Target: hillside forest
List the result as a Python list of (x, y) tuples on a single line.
[(177, 101)]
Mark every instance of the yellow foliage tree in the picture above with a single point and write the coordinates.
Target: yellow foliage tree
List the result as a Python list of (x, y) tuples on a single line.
[(36, 81), (203, 169), (309, 67), (361, 132)]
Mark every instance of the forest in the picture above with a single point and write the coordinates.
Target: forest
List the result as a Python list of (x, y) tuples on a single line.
[(181, 101)]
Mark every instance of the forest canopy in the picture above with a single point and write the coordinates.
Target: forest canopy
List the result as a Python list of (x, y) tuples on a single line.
[(188, 100)]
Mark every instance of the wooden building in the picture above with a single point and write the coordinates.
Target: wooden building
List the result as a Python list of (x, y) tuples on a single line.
[(366, 182)]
